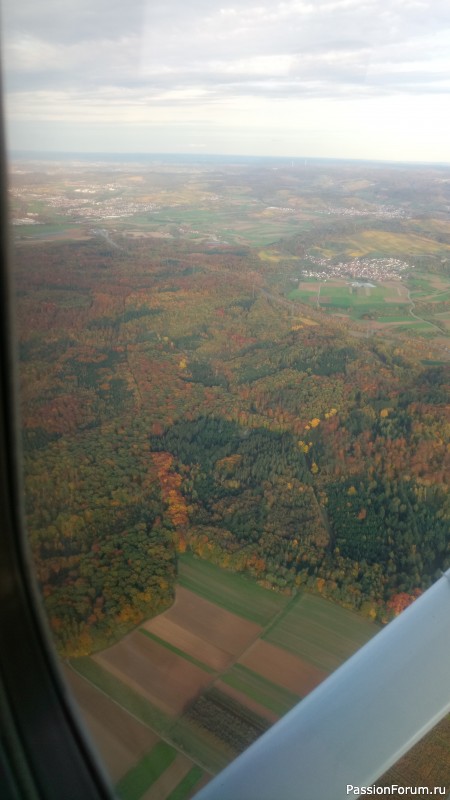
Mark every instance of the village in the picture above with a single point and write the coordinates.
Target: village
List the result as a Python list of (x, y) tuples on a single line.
[(379, 212), (84, 207), (369, 269)]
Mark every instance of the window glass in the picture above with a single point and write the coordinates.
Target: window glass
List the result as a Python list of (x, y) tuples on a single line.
[(231, 241)]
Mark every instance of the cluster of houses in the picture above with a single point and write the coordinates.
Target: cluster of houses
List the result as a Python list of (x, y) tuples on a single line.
[(77, 204), (370, 269), (379, 212)]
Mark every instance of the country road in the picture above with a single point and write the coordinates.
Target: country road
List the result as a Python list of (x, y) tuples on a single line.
[(421, 319)]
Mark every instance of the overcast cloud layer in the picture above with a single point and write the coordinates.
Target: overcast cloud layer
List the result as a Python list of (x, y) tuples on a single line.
[(349, 78)]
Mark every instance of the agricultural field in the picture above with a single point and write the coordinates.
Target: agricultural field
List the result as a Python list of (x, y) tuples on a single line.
[(143, 664), (270, 694), (381, 243), (156, 203), (319, 631), (204, 630), (299, 676), (340, 295), (180, 776), (120, 738), (419, 304), (181, 328), (198, 683), (233, 592)]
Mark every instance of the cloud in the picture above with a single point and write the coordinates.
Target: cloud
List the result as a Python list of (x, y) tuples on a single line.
[(104, 58)]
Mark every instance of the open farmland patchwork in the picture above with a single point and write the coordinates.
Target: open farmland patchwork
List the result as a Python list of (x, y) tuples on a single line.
[(188, 642), (246, 700), (146, 666), (119, 737), (233, 592), (277, 665), (204, 630), (211, 680), (374, 243), (254, 687)]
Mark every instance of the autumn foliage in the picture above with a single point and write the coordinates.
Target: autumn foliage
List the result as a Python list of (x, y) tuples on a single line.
[(168, 403)]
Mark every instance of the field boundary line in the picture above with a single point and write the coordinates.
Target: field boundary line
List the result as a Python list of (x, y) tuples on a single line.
[(162, 736), (269, 625), (283, 611), (178, 652)]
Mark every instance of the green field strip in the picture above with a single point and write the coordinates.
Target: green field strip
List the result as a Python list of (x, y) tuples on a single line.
[(335, 616), (38, 231), (362, 304), (419, 285), (301, 646), (201, 746), (302, 294), (290, 605), (133, 785), (394, 318), (440, 297), (327, 656), (184, 788), (331, 300), (230, 591), (177, 651), (320, 632), (124, 695), (325, 625), (421, 325), (270, 695)]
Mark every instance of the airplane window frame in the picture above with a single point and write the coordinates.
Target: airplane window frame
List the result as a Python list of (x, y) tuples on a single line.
[(44, 751)]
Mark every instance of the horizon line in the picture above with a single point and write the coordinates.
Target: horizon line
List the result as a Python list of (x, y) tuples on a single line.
[(53, 155)]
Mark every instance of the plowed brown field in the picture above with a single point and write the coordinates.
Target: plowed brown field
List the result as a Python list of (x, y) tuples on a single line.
[(204, 630), (283, 668), (190, 643), (164, 678)]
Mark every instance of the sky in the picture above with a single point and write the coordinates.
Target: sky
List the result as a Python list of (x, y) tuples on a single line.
[(360, 79)]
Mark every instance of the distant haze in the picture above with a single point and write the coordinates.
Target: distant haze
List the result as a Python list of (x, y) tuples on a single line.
[(359, 79)]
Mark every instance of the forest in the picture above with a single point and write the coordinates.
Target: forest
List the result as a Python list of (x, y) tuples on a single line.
[(173, 400)]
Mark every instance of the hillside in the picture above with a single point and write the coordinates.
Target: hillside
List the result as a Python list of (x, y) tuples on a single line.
[(173, 399)]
